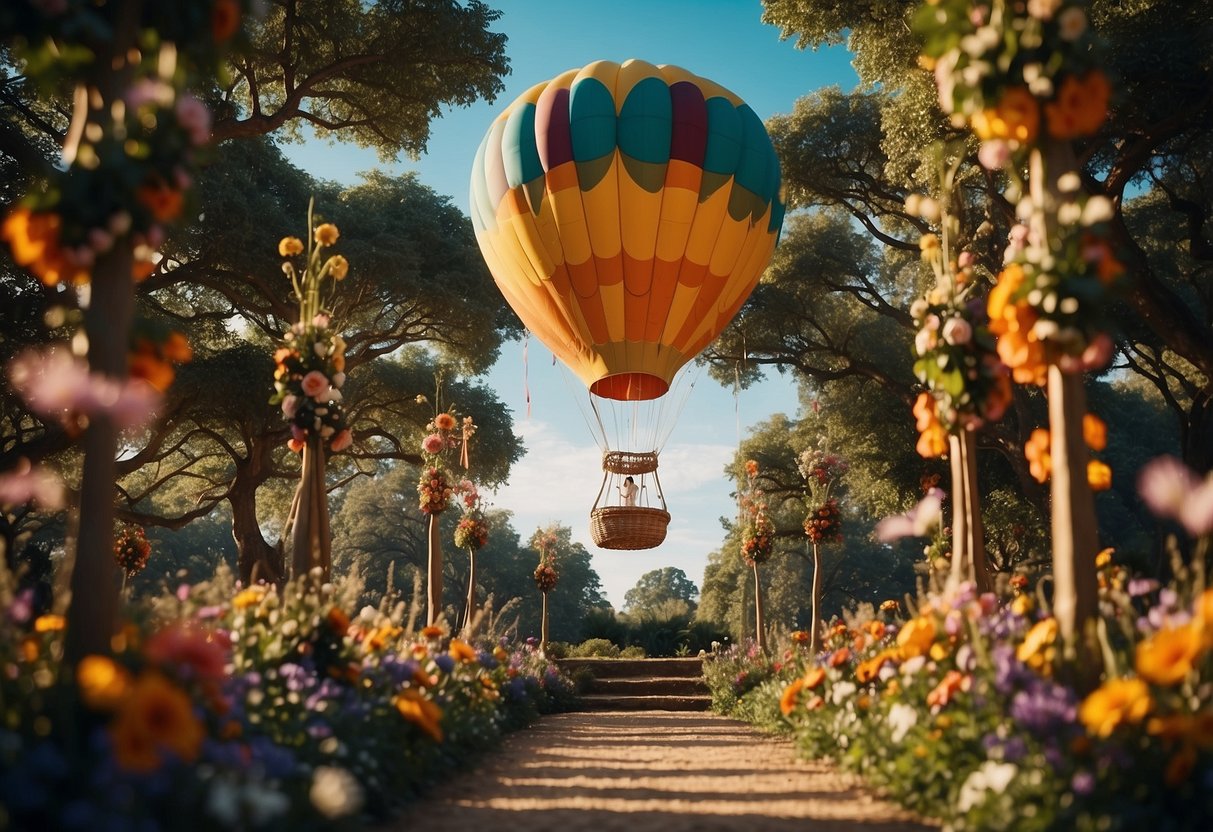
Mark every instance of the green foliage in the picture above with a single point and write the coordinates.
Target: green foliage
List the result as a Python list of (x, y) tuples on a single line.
[(655, 589)]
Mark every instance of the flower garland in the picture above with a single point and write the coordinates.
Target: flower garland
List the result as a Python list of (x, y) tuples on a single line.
[(1024, 78), (446, 434), (822, 471), (757, 532), (311, 361), (545, 575), (131, 549), (472, 533)]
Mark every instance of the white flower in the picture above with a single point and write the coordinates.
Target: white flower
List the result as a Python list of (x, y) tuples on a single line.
[(335, 793), (842, 692), (1098, 209), (911, 666), (902, 718), (925, 340), (338, 379), (991, 776), (957, 331)]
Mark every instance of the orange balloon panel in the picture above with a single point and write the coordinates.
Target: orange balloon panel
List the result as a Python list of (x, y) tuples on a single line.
[(626, 212)]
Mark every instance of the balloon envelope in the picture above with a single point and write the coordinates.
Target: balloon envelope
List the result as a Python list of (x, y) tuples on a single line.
[(626, 212)]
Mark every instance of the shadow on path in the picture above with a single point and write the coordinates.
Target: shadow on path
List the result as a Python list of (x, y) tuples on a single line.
[(650, 771)]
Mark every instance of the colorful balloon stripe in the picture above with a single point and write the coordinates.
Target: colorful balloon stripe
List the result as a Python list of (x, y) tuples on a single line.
[(626, 211)]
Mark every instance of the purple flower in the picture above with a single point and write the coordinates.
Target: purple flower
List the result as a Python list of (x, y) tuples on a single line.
[(1083, 782), (1142, 586), (445, 662), (1043, 706)]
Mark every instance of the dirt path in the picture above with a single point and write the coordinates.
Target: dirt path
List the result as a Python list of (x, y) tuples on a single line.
[(650, 771)]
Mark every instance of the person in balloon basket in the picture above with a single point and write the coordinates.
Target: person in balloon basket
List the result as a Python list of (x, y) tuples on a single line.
[(628, 492)]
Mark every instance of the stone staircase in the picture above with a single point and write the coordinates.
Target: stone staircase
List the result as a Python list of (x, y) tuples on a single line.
[(641, 684)]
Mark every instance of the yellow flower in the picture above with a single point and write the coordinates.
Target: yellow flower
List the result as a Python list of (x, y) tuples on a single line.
[(1015, 118), (916, 636), (290, 246), (1037, 650), (1099, 475), (814, 677), (250, 597), (103, 682), (1022, 605), (157, 716), (462, 651), (1103, 558), (49, 623), (338, 267), (1036, 451), (1117, 702), (421, 712), (1166, 657), (327, 234)]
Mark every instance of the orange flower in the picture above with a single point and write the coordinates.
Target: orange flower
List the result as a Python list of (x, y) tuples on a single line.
[(290, 246), (34, 241), (432, 631), (157, 716), (1080, 106), (1166, 657), (462, 651), (1099, 475), (225, 19), (152, 369), (751, 468), (799, 637), (337, 620), (1094, 432), (444, 421), (49, 623), (1009, 281), (790, 696), (1036, 450), (815, 703), (1015, 118), (814, 677), (840, 657), (1037, 650), (327, 234), (420, 711), (952, 682), (1117, 702), (103, 682), (163, 202), (916, 637), (869, 669), (933, 440), (339, 267)]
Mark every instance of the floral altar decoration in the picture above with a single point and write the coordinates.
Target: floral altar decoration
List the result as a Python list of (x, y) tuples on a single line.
[(131, 550)]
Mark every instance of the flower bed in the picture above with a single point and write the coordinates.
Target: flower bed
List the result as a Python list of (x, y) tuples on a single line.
[(251, 709), (969, 712)]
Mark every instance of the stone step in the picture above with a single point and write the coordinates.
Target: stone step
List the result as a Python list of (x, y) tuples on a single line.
[(635, 668), (668, 686), (603, 702)]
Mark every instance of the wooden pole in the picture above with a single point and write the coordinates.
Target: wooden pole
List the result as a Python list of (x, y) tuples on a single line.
[(434, 582), (759, 627), (470, 611), (815, 633), (543, 627), (968, 535)]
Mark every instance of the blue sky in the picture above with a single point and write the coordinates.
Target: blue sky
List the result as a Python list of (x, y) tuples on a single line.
[(558, 479)]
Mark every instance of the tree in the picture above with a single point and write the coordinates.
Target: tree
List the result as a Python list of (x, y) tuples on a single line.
[(658, 592)]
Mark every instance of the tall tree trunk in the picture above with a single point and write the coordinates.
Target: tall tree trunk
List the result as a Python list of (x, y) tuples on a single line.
[(311, 542), (469, 614), (1075, 534), (92, 616), (815, 632), (257, 559), (759, 626), (434, 584), (543, 627), (968, 538), (94, 576)]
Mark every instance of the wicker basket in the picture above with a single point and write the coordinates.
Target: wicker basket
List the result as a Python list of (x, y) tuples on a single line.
[(628, 527), (629, 462)]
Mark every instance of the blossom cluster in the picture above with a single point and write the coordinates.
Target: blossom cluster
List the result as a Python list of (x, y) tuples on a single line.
[(822, 472), (445, 436), (130, 161), (434, 491), (131, 549), (310, 369), (241, 707), (757, 529), (824, 523), (1040, 461), (472, 531), (546, 577)]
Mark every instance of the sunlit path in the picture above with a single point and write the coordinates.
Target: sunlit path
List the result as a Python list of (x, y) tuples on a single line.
[(650, 770)]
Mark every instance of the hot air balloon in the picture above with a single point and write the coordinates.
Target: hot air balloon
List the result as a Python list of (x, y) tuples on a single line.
[(626, 212)]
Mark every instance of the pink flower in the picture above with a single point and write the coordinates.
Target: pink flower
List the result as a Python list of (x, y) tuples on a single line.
[(136, 403), (993, 154), (1164, 483), (315, 384), (957, 331), (917, 522), (1196, 513), (290, 404), (320, 321), (195, 119), (341, 441), (51, 382), (433, 444), (26, 483), (200, 652), (1098, 353)]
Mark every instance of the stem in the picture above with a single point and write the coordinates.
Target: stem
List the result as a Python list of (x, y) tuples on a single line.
[(760, 629), (470, 613), (434, 583), (815, 633)]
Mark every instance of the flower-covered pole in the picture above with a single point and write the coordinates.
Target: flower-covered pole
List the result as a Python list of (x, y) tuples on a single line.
[(757, 541), (307, 385), (967, 384), (821, 471), (546, 576), (98, 217), (446, 437), (1027, 80), (471, 534)]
